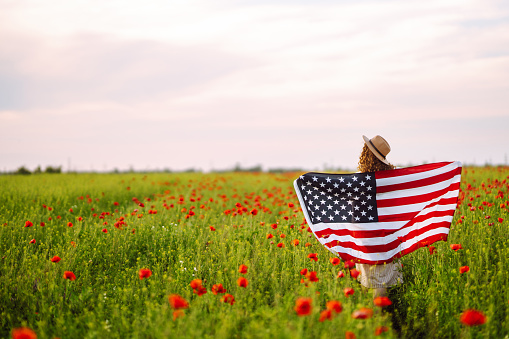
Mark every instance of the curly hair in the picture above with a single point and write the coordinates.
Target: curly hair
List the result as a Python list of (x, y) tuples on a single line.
[(368, 162)]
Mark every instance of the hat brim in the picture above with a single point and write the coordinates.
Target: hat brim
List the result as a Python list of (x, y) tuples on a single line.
[(374, 151)]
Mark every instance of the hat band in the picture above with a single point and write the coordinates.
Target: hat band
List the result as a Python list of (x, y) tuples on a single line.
[(376, 149)]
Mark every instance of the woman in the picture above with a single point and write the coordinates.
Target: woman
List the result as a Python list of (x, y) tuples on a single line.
[(377, 277)]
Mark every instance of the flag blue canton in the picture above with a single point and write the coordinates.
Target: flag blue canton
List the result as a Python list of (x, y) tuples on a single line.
[(339, 198)]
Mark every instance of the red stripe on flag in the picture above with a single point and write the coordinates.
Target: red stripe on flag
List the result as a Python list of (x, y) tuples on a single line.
[(391, 245), (419, 183), (431, 239), (410, 215), (325, 233), (410, 170), (417, 199)]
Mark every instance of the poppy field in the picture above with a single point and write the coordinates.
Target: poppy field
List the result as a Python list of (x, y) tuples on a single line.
[(229, 255)]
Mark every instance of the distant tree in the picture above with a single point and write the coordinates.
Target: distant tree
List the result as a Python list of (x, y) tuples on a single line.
[(51, 169), (22, 170), (37, 170), (238, 168), (285, 170)]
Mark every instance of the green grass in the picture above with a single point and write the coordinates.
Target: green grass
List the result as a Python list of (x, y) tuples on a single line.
[(108, 300)]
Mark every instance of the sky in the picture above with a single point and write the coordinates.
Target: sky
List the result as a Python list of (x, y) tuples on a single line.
[(159, 84)]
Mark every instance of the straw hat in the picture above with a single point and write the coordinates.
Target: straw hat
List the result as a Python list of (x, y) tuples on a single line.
[(379, 146)]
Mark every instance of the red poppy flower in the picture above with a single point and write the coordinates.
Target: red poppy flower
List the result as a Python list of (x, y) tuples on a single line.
[(195, 283), (43, 224), (381, 329), (349, 264), (69, 275), (350, 335), (304, 271), (228, 299), (242, 282), (105, 230), (307, 244), (269, 236), (242, 269), (212, 228), (144, 273), (313, 256), (73, 244), (472, 317), (464, 269), (290, 204), (23, 333), (312, 276), (178, 314), (32, 241), (325, 315), (69, 224), (500, 219), (177, 302), (200, 290), (348, 291), (354, 273), (55, 259), (254, 211), (432, 250), (280, 245), (303, 306), (28, 223), (334, 305), (274, 226), (340, 274), (456, 247), (382, 301), (295, 242), (335, 261), (218, 289), (363, 313)]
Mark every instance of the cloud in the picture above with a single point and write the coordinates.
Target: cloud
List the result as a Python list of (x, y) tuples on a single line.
[(92, 68), (190, 83)]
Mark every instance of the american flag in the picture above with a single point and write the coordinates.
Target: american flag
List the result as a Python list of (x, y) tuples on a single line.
[(375, 217)]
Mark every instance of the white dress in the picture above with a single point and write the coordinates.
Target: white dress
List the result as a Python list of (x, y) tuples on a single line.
[(379, 276)]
